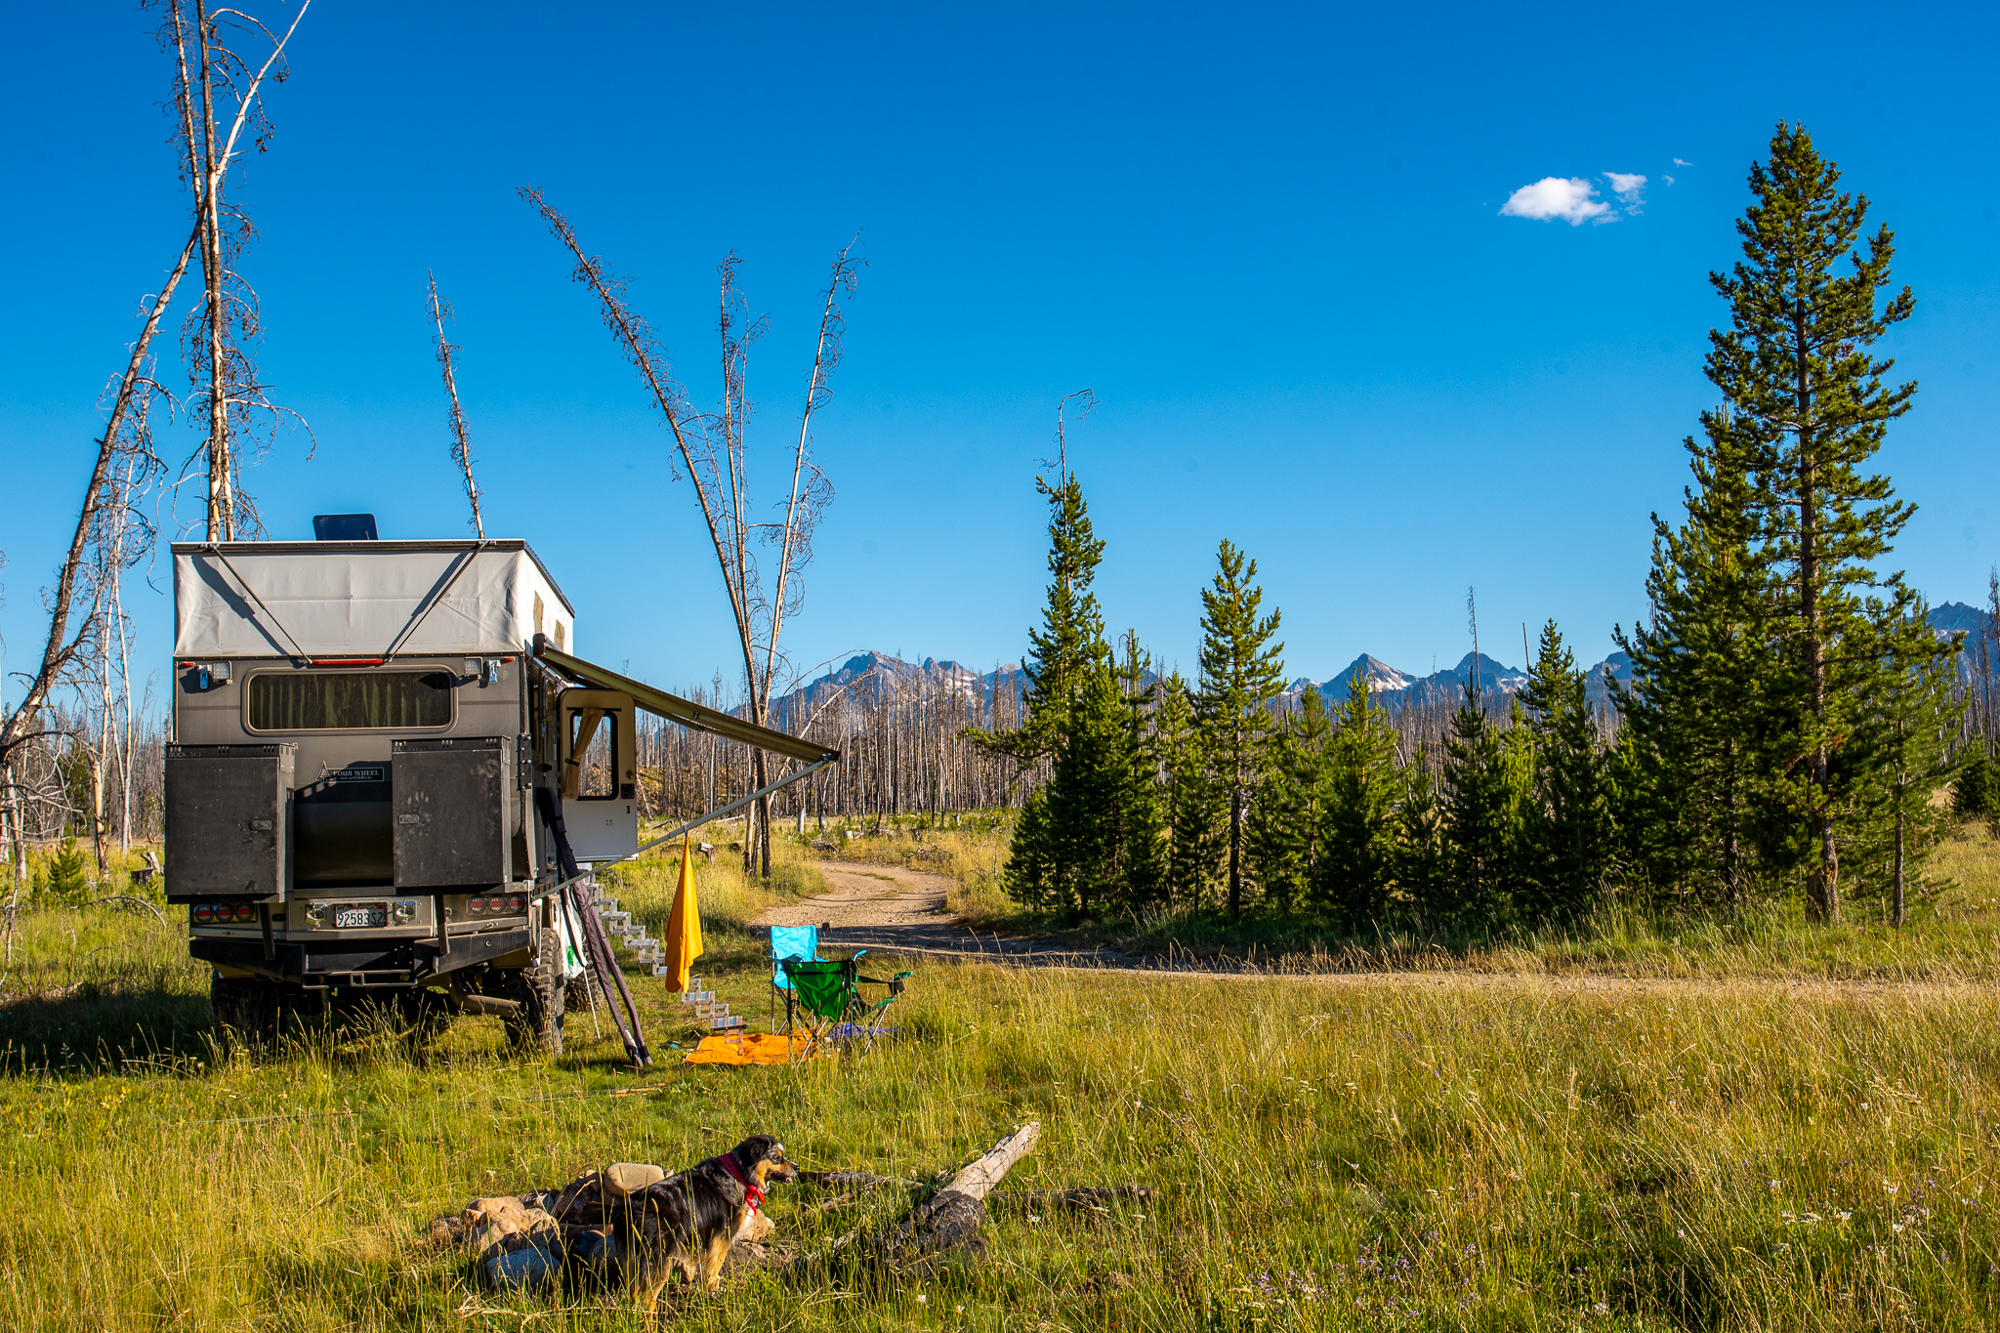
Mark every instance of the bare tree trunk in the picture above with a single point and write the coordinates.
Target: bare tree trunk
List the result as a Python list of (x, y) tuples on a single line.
[(461, 446), (1898, 870)]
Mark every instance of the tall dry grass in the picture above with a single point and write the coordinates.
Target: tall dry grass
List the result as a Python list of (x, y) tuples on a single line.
[(1430, 1152)]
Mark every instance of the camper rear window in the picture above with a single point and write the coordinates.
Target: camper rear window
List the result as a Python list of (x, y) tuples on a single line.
[(350, 701)]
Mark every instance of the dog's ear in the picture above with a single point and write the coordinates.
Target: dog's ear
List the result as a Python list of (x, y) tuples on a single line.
[(754, 1149)]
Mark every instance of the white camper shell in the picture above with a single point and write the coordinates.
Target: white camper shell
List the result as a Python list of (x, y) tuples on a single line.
[(388, 772)]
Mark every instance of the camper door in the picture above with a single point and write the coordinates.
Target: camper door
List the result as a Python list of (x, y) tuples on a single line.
[(600, 794)]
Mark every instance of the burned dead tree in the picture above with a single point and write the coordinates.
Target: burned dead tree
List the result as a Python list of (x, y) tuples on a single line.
[(220, 116), (711, 451), (461, 447)]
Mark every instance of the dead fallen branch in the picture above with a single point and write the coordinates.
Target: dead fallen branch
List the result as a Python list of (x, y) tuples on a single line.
[(130, 903), (1085, 1198)]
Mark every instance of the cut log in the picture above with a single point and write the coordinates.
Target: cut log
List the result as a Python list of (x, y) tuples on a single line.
[(976, 1180), (949, 1223)]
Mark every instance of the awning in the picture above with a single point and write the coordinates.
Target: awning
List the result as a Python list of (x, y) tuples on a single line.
[(684, 711)]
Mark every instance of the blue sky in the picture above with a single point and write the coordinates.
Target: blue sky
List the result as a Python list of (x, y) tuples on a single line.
[(1271, 240)]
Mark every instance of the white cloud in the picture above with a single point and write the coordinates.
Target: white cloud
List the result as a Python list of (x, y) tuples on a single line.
[(1682, 162), (1626, 186), (1574, 201), (1668, 179)]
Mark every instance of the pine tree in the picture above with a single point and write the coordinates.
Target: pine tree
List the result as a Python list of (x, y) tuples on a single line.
[(1286, 824), (1422, 855), (1241, 673), (1357, 866), (1806, 395), (1700, 735), (1192, 802), (1056, 859), (1065, 652), (1475, 802), (1142, 869), (1568, 841), (1912, 714), (1084, 836)]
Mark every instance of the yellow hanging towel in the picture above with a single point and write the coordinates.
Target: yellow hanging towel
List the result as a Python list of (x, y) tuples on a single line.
[(684, 926)]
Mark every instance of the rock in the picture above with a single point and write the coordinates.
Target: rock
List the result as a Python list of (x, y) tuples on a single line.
[(625, 1178), (594, 1252)]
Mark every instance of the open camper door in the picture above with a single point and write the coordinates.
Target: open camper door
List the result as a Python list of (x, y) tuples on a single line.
[(600, 795)]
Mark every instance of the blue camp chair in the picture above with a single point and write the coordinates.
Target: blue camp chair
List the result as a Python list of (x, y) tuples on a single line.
[(799, 944)]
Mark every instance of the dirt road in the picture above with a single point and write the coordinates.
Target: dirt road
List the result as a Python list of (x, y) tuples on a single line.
[(893, 909)]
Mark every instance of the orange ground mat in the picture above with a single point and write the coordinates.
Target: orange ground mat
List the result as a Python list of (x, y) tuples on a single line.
[(750, 1048)]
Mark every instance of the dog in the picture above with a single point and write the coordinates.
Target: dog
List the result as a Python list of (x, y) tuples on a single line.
[(687, 1222)]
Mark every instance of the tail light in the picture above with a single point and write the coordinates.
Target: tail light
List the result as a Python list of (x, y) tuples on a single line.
[(225, 914)]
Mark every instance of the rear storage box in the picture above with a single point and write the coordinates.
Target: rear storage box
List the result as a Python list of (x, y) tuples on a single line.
[(451, 797), (226, 834)]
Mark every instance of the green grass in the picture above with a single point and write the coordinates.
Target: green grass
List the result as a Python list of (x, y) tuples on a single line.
[(1434, 1152)]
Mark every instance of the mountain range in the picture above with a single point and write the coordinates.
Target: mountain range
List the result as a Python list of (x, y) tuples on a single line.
[(869, 676)]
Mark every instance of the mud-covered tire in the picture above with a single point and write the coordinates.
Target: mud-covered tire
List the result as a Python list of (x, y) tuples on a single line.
[(539, 988)]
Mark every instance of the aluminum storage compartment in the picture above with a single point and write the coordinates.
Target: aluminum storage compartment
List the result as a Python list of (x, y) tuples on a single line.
[(452, 796), (226, 821)]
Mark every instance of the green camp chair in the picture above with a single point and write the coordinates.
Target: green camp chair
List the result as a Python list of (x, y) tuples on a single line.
[(830, 1005)]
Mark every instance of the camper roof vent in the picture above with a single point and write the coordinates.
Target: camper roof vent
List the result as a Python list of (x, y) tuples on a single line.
[(344, 528)]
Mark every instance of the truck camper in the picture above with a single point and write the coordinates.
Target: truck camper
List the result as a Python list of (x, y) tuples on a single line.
[(391, 777)]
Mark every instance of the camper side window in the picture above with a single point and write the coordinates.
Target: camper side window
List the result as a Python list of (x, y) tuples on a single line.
[(349, 700), (593, 752)]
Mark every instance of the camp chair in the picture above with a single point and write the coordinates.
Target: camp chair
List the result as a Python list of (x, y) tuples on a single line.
[(796, 942), (830, 1003)]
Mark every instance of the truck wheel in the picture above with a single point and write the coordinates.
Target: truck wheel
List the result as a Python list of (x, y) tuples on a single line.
[(244, 1007), (539, 987)]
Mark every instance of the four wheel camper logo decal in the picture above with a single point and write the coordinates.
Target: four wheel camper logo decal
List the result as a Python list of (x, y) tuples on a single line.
[(358, 773)]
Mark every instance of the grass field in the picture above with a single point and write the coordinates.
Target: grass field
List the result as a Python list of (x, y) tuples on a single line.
[(1424, 1151)]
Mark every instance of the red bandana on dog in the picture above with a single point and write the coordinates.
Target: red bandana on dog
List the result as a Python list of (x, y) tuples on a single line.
[(755, 1195)]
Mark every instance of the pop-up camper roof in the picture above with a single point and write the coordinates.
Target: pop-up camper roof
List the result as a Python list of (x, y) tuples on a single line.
[(363, 599)]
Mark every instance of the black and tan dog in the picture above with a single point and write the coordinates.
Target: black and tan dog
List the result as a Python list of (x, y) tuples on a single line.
[(687, 1222)]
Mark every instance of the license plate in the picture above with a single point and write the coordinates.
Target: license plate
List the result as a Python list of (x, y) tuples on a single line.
[(366, 916)]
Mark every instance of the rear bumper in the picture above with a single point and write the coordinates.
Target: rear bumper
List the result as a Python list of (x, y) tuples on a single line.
[(350, 961)]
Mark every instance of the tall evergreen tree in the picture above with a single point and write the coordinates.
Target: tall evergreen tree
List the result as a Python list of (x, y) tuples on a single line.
[(1363, 790), (1193, 803), (1568, 841), (1702, 728), (1069, 647), (1286, 822), (1476, 805), (1084, 837), (1057, 858), (1242, 671), (1912, 715), (1142, 853), (1422, 856), (1806, 395)]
